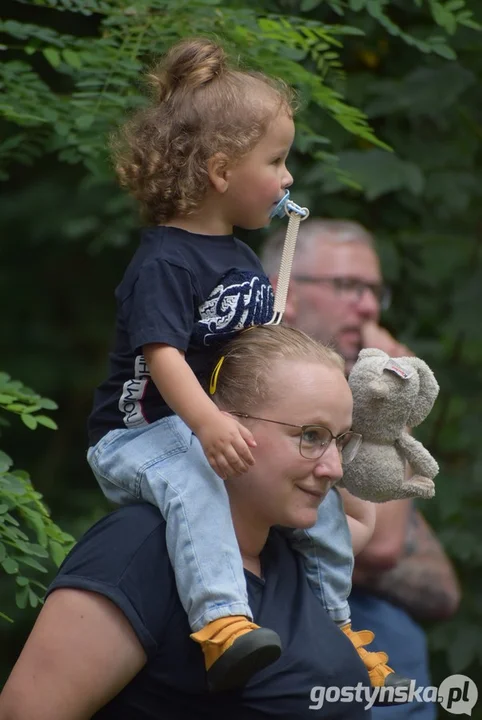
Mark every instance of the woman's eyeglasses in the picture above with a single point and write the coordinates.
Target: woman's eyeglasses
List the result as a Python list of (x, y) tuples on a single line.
[(315, 439)]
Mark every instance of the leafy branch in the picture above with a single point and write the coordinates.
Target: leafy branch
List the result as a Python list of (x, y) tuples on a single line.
[(28, 536)]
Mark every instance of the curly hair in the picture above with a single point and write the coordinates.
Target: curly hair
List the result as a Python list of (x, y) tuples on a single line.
[(200, 106)]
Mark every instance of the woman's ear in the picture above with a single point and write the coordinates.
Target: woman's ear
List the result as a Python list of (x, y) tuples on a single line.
[(219, 172)]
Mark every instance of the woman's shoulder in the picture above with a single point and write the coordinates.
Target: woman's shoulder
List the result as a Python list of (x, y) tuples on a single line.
[(115, 558), (126, 529)]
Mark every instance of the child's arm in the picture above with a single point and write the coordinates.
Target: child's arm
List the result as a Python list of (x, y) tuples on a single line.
[(361, 516), (224, 440)]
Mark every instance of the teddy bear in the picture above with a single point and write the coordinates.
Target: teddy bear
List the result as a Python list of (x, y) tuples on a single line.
[(390, 396)]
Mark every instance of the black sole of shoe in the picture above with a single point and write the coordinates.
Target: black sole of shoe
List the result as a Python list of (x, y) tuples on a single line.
[(248, 655), (394, 681)]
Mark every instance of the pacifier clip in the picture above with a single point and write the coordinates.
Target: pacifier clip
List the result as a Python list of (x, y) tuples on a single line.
[(296, 215)]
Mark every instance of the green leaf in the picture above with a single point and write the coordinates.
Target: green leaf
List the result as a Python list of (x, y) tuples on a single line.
[(453, 5), (52, 56), (22, 581), (72, 58), (13, 521), (3, 552), (15, 407), (6, 399), (444, 51), (46, 422), (10, 566), (307, 5), (57, 552), (33, 564), (47, 404), (21, 597), (6, 462), (31, 409), (444, 18), (38, 550), (29, 421), (379, 173), (357, 5), (84, 122)]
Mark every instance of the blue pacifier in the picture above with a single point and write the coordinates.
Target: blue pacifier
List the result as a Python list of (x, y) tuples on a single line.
[(285, 206)]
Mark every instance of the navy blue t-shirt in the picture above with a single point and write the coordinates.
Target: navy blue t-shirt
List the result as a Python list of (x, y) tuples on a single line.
[(189, 291), (124, 557)]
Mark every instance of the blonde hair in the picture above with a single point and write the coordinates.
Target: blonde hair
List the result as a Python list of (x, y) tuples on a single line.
[(243, 381), (200, 106)]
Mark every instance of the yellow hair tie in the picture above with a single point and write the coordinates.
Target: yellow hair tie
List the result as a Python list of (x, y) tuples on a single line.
[(214, 376)]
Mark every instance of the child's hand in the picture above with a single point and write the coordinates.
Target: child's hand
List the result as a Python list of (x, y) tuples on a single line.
[(226, 445)]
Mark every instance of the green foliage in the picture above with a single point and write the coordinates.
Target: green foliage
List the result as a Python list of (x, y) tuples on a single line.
[(101, 73), (23, 515)]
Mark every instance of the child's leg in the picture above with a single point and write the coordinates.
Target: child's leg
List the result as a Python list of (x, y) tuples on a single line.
[(328, 556), (163, 463)]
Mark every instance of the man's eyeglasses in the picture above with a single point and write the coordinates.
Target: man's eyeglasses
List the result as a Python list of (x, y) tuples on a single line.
[(315, 439), (351, 287)]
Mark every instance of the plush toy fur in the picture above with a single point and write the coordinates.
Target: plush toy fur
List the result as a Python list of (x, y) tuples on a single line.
[(390, 395)]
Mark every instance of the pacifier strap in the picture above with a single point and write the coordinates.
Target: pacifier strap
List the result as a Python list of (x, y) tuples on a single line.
[(296, 215)]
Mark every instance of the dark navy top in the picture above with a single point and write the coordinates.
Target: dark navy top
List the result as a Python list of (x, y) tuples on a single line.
[(124, 557), (189, 291)]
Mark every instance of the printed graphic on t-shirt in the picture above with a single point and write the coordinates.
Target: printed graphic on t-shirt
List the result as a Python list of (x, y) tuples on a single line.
[(133, 391), (242, 299)]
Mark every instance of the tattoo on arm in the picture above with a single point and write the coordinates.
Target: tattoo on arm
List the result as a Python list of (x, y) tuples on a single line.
[(423, 582)]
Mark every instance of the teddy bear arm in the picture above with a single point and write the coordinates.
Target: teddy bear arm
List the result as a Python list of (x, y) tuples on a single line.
[(418, 457)]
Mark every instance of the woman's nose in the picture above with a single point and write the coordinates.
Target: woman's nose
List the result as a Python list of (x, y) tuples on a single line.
[(330, 462)]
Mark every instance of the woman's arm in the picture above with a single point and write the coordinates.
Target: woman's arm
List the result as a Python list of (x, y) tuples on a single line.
[(80, 654), (361, 516)]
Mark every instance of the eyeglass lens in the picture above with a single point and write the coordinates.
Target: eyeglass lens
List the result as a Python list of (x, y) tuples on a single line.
[(315, 441)]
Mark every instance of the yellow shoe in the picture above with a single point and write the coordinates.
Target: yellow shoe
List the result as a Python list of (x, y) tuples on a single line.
[(379, 672), (235, 649)]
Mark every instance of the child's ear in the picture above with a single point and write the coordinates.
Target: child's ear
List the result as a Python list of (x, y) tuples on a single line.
[(219, 172)]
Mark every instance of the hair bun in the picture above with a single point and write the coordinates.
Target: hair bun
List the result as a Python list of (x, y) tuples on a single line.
[(188, 65)]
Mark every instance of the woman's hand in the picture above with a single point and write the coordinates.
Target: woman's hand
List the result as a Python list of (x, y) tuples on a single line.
[(226, 444), (80, 654)]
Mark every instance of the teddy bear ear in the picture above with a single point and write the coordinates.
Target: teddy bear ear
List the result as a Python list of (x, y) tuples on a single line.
[(427, 394), (371, 352)]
